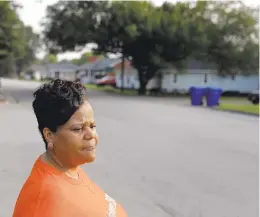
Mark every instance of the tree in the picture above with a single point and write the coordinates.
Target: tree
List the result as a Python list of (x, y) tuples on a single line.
[(69, 25), (170, 37), (51, 58), (231, 37), (130, 33), (31, 43), (8, 36), (18, 43), (135, 29), (124, 20)]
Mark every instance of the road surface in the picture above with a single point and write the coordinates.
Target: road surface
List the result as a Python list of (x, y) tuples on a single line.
[(157, 157)]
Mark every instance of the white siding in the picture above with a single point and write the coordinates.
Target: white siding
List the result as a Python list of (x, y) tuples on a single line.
[(190, 78), (243, 84), (130, 79)]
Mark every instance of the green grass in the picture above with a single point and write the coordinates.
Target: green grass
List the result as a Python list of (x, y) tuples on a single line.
[(234, 100), (110, 89), (238, 104), (246, 108)]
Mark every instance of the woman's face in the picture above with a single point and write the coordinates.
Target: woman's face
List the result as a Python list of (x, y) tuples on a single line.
[(75, 142)]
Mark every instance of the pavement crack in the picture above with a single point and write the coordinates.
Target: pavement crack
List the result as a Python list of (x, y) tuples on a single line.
[(168, 210)]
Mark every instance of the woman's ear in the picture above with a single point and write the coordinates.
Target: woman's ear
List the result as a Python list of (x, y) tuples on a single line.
[(48, 135)]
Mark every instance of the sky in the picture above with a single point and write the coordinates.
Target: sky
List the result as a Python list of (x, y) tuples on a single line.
[(33, 12)]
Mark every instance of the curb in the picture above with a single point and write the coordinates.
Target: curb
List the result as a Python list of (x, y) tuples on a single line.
[(235, 112), (3, 99)]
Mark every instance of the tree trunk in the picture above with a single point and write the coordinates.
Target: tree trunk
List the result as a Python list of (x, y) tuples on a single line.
[(142, 88), (19, 69), (10, 66), (160, 77)]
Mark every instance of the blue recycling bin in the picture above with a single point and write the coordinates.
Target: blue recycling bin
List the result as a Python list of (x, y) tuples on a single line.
[(196, 95), (213, 96)]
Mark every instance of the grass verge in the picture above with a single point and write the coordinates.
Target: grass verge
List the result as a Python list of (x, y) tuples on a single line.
[(236, 104), (243, 108), (110, 89)]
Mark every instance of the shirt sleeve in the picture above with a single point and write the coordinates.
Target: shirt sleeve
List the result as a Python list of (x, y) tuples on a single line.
[(33, 202)]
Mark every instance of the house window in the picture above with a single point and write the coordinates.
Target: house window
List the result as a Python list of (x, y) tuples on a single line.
[(206, 78), (174, 78)]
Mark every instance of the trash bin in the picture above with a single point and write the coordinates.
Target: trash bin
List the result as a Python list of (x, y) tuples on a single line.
[(213, 96), (196, 95)]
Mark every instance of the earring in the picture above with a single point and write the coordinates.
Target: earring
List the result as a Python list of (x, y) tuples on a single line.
[(50, 145)]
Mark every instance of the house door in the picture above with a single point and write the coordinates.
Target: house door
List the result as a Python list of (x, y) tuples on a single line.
[(57, 74)]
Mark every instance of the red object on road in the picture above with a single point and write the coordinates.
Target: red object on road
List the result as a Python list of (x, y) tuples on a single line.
[(107, 80)]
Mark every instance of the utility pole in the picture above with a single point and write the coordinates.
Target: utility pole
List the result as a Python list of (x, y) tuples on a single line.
[(122, 73)]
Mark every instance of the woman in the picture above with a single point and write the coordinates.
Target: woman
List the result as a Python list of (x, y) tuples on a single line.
[(57, 186)]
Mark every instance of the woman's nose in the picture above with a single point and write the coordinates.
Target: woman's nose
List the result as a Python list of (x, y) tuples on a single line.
[(89, 133)]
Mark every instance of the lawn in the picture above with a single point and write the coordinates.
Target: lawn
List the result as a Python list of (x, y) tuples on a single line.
[(245, 108), (110, 89), (237, 104)]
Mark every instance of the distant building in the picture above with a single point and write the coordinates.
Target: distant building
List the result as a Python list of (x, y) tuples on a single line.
[(205, 75), (196, 74), (66, 71), (90, 72)]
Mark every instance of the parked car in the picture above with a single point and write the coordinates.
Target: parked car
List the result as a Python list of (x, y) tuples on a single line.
[(254, 97), (107, 80)]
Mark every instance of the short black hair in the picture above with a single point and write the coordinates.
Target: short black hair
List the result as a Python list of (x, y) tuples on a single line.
[(55, 102)]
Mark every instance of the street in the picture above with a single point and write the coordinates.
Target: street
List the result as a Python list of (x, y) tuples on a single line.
[(156, 157)]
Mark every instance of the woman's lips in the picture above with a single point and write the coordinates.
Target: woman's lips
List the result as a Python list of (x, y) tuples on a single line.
[(90, 148)]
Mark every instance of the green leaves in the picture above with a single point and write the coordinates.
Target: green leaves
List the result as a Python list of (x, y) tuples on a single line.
[(229, 36), (18, 43), (51, 58)]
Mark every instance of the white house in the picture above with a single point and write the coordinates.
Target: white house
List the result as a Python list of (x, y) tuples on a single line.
[(207, 78), (90, 72), (66, 71), (196, 74), (84, 73)]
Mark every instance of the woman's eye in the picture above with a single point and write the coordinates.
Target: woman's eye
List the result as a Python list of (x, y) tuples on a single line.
[(93, 127), (77, 129)]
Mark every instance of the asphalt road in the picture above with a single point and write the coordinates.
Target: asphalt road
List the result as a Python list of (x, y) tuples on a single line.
[(157, 157)]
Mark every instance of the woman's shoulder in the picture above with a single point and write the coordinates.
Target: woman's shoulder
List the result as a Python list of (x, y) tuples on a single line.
[(37, 188), (41, 178)]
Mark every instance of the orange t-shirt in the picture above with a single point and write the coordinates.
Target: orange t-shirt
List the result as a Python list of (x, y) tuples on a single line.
[(50, 193)]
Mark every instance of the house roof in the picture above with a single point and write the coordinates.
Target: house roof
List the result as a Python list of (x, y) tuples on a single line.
[(105, 63), (111, 62), (37, 67), (67, 66), (193, 64), (87, 66), (63, 67), (197, 64)]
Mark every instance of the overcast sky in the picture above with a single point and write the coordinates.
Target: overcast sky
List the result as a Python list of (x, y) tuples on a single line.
[(33, 12)]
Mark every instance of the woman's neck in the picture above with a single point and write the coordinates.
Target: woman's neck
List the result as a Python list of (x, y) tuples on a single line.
[(54, 161)]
